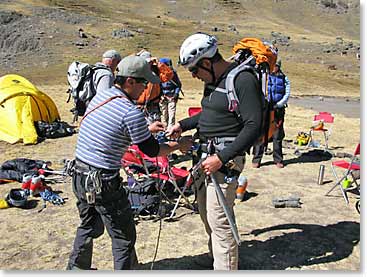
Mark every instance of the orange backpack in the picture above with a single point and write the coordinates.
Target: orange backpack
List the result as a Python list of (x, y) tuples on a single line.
[(262, 51), (258, 57), (152, 92)]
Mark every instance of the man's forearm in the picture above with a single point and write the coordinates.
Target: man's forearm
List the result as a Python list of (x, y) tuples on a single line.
[(165, 149)]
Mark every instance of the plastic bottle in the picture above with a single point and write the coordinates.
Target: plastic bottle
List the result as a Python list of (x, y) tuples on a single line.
[(242, 186), (36, 185), (26, 182)]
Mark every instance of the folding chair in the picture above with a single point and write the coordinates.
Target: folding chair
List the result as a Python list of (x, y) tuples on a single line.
[(194, 110), (319, 121), (135, 161), (350, 166), (193, 172)]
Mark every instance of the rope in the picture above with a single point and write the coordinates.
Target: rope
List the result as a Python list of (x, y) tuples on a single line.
[(160, 219)]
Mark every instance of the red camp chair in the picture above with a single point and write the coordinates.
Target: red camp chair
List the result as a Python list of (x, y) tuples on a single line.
[(134, 160), (194, 110), (319, 121), (349, 167)]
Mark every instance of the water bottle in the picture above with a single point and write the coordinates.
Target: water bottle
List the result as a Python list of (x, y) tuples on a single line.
[(26, 183), (36, 185), (242, 186), (320, 179)]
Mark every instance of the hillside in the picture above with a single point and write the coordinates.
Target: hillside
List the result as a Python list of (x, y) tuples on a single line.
[(39, 38)]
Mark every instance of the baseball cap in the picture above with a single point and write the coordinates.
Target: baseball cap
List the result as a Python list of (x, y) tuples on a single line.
[(166, 61), (144, 54), (137, 67), (111, 54)]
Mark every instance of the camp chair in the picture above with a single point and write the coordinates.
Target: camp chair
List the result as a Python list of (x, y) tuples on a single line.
[(194, 110), (135, 161), (319, 121), (349, 166)]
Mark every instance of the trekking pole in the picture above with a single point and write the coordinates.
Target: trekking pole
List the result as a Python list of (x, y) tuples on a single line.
[(222, 202)]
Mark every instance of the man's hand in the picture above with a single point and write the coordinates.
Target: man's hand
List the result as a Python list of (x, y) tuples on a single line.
[(211, 164), (156, 127), (174, 131)]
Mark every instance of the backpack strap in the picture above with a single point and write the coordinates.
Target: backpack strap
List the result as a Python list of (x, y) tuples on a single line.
[(147, 203), (101, 104), (94, 83), (229, 90)]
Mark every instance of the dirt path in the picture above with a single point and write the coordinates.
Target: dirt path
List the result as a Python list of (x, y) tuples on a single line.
[(348, 107)]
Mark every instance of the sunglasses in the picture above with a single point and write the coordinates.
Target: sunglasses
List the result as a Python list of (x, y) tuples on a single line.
[(194, 69), (141, 81)]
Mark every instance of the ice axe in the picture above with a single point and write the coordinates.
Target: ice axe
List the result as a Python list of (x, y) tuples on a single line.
[(222, 202)]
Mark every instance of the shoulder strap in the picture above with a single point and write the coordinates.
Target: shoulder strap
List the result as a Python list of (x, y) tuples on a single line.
[(151, 200), (101, 104), (229, 86), (99, 66)]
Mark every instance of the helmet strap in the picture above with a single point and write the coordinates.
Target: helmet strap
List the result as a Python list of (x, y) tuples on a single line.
[(211, 71)]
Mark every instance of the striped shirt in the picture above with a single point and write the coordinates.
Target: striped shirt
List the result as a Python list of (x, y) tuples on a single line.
[(106, 132)]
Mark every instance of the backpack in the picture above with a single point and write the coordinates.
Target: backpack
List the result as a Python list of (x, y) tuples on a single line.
[(259, 58), (81, 87), (152, 92), (143, 196), (56, 129)]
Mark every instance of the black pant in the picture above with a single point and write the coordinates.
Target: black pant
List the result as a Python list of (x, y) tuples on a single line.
[(278, 136), (111, 210)]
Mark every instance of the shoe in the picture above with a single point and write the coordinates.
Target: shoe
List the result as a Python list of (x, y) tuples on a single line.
[(255, 165), (205, 261), (280, 165), (74, 267)]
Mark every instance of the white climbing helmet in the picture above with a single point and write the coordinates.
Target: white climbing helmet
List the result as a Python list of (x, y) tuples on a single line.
[(197, 47)]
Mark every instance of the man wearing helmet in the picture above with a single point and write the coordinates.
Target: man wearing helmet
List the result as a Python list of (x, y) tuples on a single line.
[(230, 135)]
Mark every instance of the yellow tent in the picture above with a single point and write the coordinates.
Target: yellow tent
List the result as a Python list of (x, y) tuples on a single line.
[(21, 104)]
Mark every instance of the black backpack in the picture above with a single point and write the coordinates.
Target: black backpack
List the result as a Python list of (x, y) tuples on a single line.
[(56, 129), (81, 87), (143, 196)]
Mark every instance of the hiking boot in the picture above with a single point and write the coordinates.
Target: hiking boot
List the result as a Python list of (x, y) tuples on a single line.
[(255, 165), (74, 267), (280, 165), (205, 261)]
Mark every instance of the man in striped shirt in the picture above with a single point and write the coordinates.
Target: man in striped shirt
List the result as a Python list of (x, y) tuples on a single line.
[(112, 122)]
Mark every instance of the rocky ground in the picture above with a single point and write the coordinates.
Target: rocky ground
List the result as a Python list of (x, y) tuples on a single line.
[(324, 234)]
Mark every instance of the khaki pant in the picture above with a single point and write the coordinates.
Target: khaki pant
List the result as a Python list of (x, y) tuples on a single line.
[(168, 110), (222, 245)]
